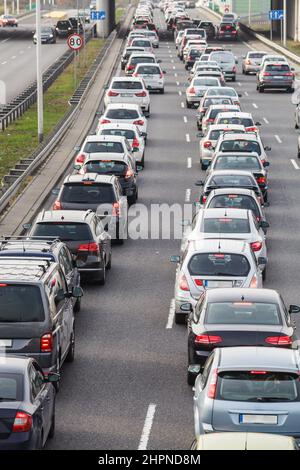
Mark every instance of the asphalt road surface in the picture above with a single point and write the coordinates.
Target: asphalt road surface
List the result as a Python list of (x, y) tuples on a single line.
[(126, 358)]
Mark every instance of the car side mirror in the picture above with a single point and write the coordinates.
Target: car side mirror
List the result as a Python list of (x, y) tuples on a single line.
[(294, 309), (77, 148), (264, 224), (55, 191), (77, 292), (236, 61), (27, 226), (159, 61), (240, 95), (199, 183), (139, 168), (293, 69), (60, 296), (268, 149), (258, 123), (105, 87), (52, 377), (175, 259), (262, 261), (164, 72), (77, 167), (266, 164)]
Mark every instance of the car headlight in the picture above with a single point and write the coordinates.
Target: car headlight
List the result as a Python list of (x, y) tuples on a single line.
[(51, 35)]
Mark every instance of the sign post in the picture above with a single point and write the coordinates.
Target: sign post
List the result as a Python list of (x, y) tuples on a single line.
[(75, 43), (278, 15)]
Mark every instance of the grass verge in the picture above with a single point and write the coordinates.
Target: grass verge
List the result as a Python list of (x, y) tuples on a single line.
[(19, 140)]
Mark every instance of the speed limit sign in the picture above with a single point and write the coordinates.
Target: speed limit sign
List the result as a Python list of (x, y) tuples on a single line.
[(75, 42)]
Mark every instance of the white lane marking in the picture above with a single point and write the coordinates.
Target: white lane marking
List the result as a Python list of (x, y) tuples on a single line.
[(29, 47), (174, 68), (182, 104), (21, 52), (172, 61), (180, 93), (175, 74), (188, 195), (185, 119), (4, 40), (187, 136), (189, 162), (13, 56), (246, 93), (254, 105), (177, 83), (294, 164), (147, 427), (266, 120), (3, 63), (239, 84), (171, 315), (248, 45), (278, 139)]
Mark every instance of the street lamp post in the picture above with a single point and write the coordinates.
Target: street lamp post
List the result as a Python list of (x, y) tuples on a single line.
[(284, 22), (249, 13), (39, 78)]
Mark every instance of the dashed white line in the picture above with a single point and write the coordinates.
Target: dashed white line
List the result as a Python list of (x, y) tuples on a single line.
[(254, 105), (147, 427), (189, 162), (171, 315), (188, 195), (29, 47), (3, 63), (177, 83), (185, 119), (295, 165), (180, 93), (172, 61), (278, 139), (187, 137), (239, 84), (246, 93), (21, 52), (266, 120), (174, 68), (182, 104), (13, 56), (4, 40), (175, 74)]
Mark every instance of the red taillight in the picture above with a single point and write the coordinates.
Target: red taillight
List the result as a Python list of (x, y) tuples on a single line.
[(94, 247), (161, 75), (183, 284), (207, 339), (46, 343), (22, 423), (261, 179), (191, 90), (116, 209), (256, 246), (258, 372), (112, 93), (279, 340), (57, 206), (234, 69), (209, 120), (198, 282), (141, 94), (80, 158), (248, 62), (207, 144), (288, 74), (130, 67), (211, 393), (135, 143), (204, 199), (251, 129), (266, 74), (139, 122), (104, 121), (254, 283), (129, 173)]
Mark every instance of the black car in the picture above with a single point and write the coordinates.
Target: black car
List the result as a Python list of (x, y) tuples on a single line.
[(64, 28), (83, 234), (237, 317), (48, 35), (209, 28), (51, 249), (27, 404), (76, 24), (194, 54), (227, 31)]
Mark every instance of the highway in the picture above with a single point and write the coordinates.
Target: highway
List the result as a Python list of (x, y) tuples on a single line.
[(126, 358)]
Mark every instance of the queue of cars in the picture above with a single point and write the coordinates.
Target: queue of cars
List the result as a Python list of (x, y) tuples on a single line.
[(243, 359)]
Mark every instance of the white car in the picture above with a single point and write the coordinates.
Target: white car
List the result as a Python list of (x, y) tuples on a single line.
[(138, 58), (132, 134), (142, 42), (244, 119), (242, 143), (224, 91), (152, 75), (212, 113), (178, 38), (103, 144), (131, 90), (125, 113), (198, 88), (252, 61), (274, 59), (152, 35)]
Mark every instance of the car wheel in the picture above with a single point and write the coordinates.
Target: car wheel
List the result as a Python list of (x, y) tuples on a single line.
[(191, 378), (261, 89), (188, 105), (296, 125), (143, 160), (71, 353), (180, 318), (161, 91), (108, 266), (266, 196), (203, 167), (77, 305), (264, 274), (234, 79), (52, 428), (102, 278)]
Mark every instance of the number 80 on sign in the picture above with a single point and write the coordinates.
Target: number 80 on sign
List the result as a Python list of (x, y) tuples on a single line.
[(75, 42)]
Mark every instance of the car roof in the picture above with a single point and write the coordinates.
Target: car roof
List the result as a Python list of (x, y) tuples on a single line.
[(215, 213), (63, 216), (141, 64), (106, 156), (217, 127), (142, 54), (105, 138), (118, 125), (242, 191), (230, 173), (13, 364), (223, 106), (237, 114), (218, 245), (257, 52), (242, 294), (126, 79), (122, 106), (258, 358), (109, 179), (246, 136), (24, 269)]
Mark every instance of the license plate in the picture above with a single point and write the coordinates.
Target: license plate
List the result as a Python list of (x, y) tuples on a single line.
[(213, 284), (278, 77), (148, 76), (5, 343), (126, 94), (258, 419)]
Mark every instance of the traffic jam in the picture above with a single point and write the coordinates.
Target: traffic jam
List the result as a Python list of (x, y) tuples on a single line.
[(240, 345)]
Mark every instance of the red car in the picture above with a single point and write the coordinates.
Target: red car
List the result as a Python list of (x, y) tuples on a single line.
[(8, 20)]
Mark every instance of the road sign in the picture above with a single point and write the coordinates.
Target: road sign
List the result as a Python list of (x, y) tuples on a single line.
[(75, 42), (276, 15), (97, 15)]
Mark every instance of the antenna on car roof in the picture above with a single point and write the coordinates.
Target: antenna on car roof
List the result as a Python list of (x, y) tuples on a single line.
[(242, 298)]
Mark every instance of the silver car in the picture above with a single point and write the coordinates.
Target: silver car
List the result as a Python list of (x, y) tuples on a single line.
[(210, 117), (249, 389), (197, 89), (127, 113), (252, 61), (227, 62), (224, 91), (240, 143), (213, 263), (131, 90)]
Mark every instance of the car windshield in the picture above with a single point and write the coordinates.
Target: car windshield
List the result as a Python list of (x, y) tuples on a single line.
[(148, 70), (46, 29), (211, 101), (88, 193), (205, 81), (243, 313), (205, 24), (11, 387), (222, 91), (218, 264), (63, 24), (129, 134), (139, 60), (225, 225), (237, 162), (103, 147), (246, 122), (20, 303), (258, 386), (277, 68), (142, 43), (106, 167), (231, 181), (65, 231), (117, 114), (126, 85), (234, 201), (240, 145)]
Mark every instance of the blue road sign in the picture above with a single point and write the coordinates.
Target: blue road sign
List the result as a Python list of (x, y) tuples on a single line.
[(276, 15), (97, 15)]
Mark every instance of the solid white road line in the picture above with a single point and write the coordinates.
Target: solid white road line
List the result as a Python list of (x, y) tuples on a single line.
[(185, 119), (147, 427), (189, 162), (248, 45), (278, 139), (182, 104), (294, 164), (188, 195), (254, 105), (170, 321), (266, 120), (246, 93), (187, 136)]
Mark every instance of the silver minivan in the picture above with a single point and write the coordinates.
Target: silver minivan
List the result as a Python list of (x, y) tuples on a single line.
[(227, 62)]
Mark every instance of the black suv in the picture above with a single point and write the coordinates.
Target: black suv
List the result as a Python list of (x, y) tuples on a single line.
[(84, 235), (64, 28), (76, 24), (36, 312), (209, 28), (50, 249)]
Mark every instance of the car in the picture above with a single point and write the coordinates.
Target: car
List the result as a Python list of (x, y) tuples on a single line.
[(133, 135), (144, 43), (197, 89), (125, 113), (128, 90), (193, 53), (227, 62), (243, 441), (84, 235), (241, 118), (27, 405), (48, 35), (178, 38), (190, 34), (181, 25), (209, 140), (127, 53), (195, 43), (230, 17), (246, 142), (225, 91), (209, 28), (152, 75), (36, 312), (203, 67), (76, 24), (50, 248), (63, 28), (204, 58), (8, 20), (205, 103), (252, 61), (212, 113), (213, 263), (102, 194), (226, 30), (84, 16), (276, 76), (273, 59), (237, 317), (248, 389), (190, 4), (246, 162), (210, 73), (153, 36)]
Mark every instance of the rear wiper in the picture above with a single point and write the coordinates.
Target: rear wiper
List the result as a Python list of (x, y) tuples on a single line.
[(7, 399), (272, 399)]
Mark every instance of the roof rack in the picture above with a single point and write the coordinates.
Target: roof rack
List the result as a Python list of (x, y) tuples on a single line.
[(25, 240)]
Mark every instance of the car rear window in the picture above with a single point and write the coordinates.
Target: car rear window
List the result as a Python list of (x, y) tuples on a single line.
[(65, 231), (142, 43), (222, 91), (107, 167), (205, 81), (213, 113), (218, 264), (206, 24), (214, 135), (148, 70), (258, 386), (240, 145), (20, 304), (129, 114), (126, 85), (88, 193), (195, 52), (11, 387), (103, 147), (277, 68), (225, 225), (246, 122), (139, 60), (223, 57), (211, 101), (129, 134), (231, 181), (256, 55), (234, 201), (191, 32), (232, 162), (243, 313)]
